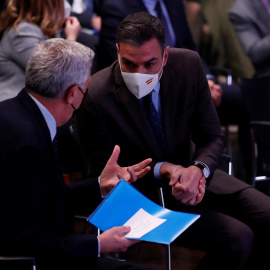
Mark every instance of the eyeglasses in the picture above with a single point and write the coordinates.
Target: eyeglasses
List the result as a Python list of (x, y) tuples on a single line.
[(84, 95)]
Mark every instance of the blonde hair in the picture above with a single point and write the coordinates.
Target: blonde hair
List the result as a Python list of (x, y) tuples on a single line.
[(47, 14)]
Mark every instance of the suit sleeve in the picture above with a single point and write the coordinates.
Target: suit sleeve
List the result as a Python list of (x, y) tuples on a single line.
[(84, 196), (33, 220), (205, 127)]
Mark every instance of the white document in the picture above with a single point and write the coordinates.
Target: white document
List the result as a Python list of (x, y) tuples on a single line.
[(141, 223)]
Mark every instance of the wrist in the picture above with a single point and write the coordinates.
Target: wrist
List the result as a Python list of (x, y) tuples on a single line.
[(203, 167), (164, 170), (71, 37)]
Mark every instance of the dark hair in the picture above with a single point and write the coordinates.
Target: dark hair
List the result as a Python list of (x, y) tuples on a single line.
[(138, 28)]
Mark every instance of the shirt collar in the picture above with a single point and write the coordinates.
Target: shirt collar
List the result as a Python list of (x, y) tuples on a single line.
[(157, 87), (50, 121)]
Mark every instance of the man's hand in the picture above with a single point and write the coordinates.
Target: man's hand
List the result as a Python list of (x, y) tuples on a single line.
[(73, 28), (188, 184), (113, 240), (216, 92), (112, 172)]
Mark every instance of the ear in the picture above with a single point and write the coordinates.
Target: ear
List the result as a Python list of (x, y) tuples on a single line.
[(69, 94), (166, 54)]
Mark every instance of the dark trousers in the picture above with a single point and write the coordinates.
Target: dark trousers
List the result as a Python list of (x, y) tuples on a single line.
[(233, 229)]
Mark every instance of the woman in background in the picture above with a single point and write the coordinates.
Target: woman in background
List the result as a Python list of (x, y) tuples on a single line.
[(23, 24)]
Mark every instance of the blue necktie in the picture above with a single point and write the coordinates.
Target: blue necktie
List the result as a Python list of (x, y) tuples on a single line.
[(155, 123), (163, 19)]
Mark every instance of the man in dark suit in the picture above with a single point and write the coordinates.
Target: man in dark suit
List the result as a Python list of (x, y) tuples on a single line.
[(227, 98), (37, 208), (113, 12), (186, 150)]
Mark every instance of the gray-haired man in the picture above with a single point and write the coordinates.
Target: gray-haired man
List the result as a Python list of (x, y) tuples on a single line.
[(36, 206)]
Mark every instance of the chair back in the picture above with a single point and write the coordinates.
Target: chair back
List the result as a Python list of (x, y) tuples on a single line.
[(256, 93)]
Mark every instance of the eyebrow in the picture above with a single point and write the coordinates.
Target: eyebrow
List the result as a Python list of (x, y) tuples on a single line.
[(150, 60)]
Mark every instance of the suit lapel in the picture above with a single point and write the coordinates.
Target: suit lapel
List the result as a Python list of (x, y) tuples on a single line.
[(167, 91), (33, 109), (135, 111)]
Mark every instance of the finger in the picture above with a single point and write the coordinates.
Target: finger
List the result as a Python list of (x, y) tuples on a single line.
[(198, 198), (143, 172), (187, 199), (133, 176), (180, 187), (202, 181), (191, 202), (200, 195), (174, 180), (115, 154), (141, 165), (178, 194), (201, 189), (120, 176), (123, 230)]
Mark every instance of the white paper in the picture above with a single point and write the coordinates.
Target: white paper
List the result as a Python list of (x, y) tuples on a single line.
[(141, 223)]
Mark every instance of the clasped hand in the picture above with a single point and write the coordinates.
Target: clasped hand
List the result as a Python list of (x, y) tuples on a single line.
[(112, 172), (188, 184)]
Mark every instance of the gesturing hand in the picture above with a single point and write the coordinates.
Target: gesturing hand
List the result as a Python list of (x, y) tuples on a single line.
[(112, 172)]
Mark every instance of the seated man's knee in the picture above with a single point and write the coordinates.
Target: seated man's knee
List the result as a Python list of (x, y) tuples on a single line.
[(241, 242)]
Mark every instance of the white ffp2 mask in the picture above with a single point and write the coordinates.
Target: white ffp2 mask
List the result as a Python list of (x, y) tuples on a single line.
[(140, 84)]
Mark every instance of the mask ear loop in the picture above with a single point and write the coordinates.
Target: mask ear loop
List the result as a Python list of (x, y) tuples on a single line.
[(161, 68), (118, 58)]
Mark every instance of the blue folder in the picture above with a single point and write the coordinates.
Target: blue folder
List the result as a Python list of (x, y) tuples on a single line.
[(125, 200)]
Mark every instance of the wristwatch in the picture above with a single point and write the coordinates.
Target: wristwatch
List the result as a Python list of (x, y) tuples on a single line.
[(205, 171)]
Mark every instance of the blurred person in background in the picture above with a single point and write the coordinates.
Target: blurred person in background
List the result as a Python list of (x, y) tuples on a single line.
[(251, 22), (23, 24), (85, 11)]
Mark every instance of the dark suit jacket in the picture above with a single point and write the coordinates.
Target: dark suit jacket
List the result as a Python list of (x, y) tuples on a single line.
[(251, 21), (113, 12), (37, 208), (112, 115)]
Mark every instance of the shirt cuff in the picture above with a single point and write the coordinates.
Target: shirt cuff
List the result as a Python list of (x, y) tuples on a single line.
[(157, 169)]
